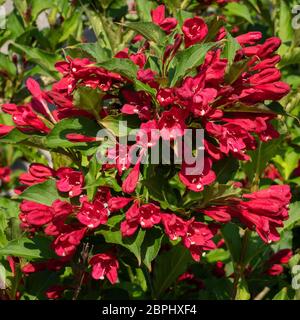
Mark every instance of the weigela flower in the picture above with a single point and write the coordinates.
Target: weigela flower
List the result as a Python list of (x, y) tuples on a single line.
[(145, 216), (105, 265), (174, 226), (198, 238), (194, 179), (69, 181), (5, 173), (66, 244), (195, 30), (158, 17), (37, 173), (92, 214)]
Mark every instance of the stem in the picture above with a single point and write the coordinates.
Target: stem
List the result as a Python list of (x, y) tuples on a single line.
[(184, 4), (240, 267)]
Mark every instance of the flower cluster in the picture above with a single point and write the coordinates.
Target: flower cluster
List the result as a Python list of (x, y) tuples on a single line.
[(210, 95)]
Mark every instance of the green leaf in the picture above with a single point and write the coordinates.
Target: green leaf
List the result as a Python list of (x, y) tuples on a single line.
[(233, 241), (124, 67), (216, 255), (149, 30), (57, 137), (168, 267), (93, 50), (88, 99), (7, 66), (38, 6), (35, 248), (219, 192), (242, 290), (151, 246), (261, 157), (42, 58), (294, 215), (239, 10), (44, 193), (285, 30), (230, 49), (16, 136), (282, 294), (70, 26), (120, 125), (190, 59), (226, 169), (133, 244), (9, 207)]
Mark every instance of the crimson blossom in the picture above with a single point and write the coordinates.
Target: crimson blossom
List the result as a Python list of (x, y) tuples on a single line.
[(130, 199)]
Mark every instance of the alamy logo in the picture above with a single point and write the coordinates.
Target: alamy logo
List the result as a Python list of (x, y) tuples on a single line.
[(2, 17), (296, 18)]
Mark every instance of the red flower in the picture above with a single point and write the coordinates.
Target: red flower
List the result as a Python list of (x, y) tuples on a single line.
[(148, 135), (4, 130), (105, 265), (146, 216), (37, 173), (35, 214), (265, 211), (218, 213), (171, 123), (283, 256), (66, 243), (117, 203), (69, 181), (5, 173), (198, 238), (195, 180), (158, 17), (55, 292), (275, 270), (174, 226), (232, 139), (93, 214), (76, 137), (165, 96), (195, 30)]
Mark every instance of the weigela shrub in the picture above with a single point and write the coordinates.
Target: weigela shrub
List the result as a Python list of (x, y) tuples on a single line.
[(173, 76)]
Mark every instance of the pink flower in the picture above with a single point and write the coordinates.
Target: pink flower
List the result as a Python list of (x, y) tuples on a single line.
[(195, 30), (148, 135), (131, 181), (158, 17), (69, 181), (105, 265)]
